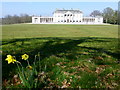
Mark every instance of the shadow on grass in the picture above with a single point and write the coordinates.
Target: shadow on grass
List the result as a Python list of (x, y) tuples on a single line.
[(55, 46), (58, 47), (102, 50)]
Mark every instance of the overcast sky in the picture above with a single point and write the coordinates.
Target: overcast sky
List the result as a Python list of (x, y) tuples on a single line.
[(47, 8)]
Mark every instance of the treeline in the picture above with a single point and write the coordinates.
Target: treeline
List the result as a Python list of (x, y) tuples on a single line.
[(23, 18), (109, 15)]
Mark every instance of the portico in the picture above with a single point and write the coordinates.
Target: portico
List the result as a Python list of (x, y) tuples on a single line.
[(42, 19)]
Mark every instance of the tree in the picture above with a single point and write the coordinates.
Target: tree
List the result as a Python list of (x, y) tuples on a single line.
[(108, 14), (115, 17), (16, 19), (8, 19), (23, 18), (96, 13), (118, 17), (119, 13)]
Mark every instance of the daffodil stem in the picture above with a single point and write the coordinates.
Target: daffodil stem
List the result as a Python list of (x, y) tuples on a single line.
[(35, 60), (22, 76), (39, 60), (18, 67), (21, 65), (28, 63)]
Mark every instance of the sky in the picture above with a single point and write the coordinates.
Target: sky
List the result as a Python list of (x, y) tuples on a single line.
[(47, 8)]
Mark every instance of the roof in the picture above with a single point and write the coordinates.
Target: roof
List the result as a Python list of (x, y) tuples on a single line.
[(64, 11)]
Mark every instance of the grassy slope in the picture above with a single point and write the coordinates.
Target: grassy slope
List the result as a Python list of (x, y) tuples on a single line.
[(32, 31), (72, 62)]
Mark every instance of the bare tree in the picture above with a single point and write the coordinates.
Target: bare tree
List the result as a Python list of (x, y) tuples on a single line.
[(108, 13), (96, 13), (23, 18)]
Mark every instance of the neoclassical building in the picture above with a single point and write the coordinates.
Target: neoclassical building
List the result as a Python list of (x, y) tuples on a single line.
[(67, 17)]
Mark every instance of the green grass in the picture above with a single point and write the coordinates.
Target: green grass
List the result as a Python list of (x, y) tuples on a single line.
[(72, 59), (35, 31)]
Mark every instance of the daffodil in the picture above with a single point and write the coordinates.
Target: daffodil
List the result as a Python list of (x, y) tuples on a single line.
[(29, 67), (25, 56), (10, 59)]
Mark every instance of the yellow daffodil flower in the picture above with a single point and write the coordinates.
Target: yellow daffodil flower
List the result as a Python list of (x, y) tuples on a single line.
[(29, 67), (25, 56), (10, 59)]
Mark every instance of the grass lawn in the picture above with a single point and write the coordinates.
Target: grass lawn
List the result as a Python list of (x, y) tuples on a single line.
[(35, 31), (71, 56)]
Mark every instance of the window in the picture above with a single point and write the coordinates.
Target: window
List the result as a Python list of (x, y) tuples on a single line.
[(65, 15), (71, 15), (68, 14), (73, 20), (77, 21), (36, 19), (64, 20), (61, 20), (70, 20)]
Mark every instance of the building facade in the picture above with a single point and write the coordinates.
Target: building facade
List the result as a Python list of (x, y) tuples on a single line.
[(66, 17)]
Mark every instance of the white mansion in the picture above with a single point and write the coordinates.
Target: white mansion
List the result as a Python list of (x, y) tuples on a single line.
[(68, 17)]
